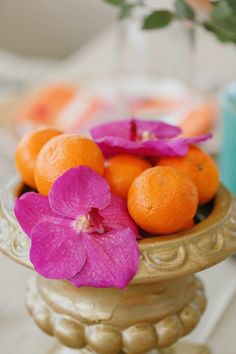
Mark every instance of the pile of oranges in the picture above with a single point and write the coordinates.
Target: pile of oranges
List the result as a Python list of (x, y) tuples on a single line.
[(162, 196)]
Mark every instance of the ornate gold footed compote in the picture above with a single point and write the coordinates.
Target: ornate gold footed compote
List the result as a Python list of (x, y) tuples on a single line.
[(163, 303)]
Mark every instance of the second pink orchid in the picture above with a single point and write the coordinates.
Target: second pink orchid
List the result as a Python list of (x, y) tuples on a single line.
[(142, 137)]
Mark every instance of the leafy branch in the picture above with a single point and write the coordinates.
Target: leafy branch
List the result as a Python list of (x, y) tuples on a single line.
[(221, 20)]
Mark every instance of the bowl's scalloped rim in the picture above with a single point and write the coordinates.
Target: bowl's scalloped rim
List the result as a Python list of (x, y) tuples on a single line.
[(161, 257)]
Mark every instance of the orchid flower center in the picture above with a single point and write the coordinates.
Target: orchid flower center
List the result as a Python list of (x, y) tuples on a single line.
[(146, 136), (82, 223), (93, 222)]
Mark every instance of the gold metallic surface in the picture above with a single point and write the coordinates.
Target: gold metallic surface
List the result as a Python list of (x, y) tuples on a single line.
[(180, 348), (164, 302), (140, 318), (162, 258)]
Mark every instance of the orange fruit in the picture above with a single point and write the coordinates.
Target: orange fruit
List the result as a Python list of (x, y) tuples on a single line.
[(205, 5), (199, 121), (200, 167), (188, 226), (62, 153), (45, 104), (27, 152), (121, 170), (162, 200)]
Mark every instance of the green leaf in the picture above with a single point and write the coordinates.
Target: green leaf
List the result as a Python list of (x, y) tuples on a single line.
[(115, 2), (222, 22), (221, 10), (157, 19), (232, 4), (125, 12), (223, 34), (183, 10)]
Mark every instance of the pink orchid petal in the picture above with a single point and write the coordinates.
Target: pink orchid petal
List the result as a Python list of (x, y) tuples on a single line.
[(180, 146), (159, 129), (57, 250), (173, 147), (116, 216), (30, 209), (120, 129), (126, 137), (111, 146), (123, 129), (198, 139), (112, 260), (77, 191)]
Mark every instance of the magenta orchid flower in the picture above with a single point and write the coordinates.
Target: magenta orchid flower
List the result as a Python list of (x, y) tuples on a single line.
[(80, 232), (141, 137)]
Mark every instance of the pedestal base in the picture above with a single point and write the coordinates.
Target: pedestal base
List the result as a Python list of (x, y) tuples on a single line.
[(143, 318), (179, 348)]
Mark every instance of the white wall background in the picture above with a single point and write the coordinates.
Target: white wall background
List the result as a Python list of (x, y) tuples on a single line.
[(53, 28)]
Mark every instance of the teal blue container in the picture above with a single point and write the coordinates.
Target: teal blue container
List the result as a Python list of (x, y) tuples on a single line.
[(227, 157)]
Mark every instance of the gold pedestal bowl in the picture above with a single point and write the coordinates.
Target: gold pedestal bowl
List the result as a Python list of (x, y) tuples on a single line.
[(163, 303)]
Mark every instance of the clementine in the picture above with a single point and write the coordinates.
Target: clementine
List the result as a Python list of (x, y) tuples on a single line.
[(188, 226), (62, 153), (200, 167), (162, 200), (45, 105), (121, 170), (199, 121), (27, 152)]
